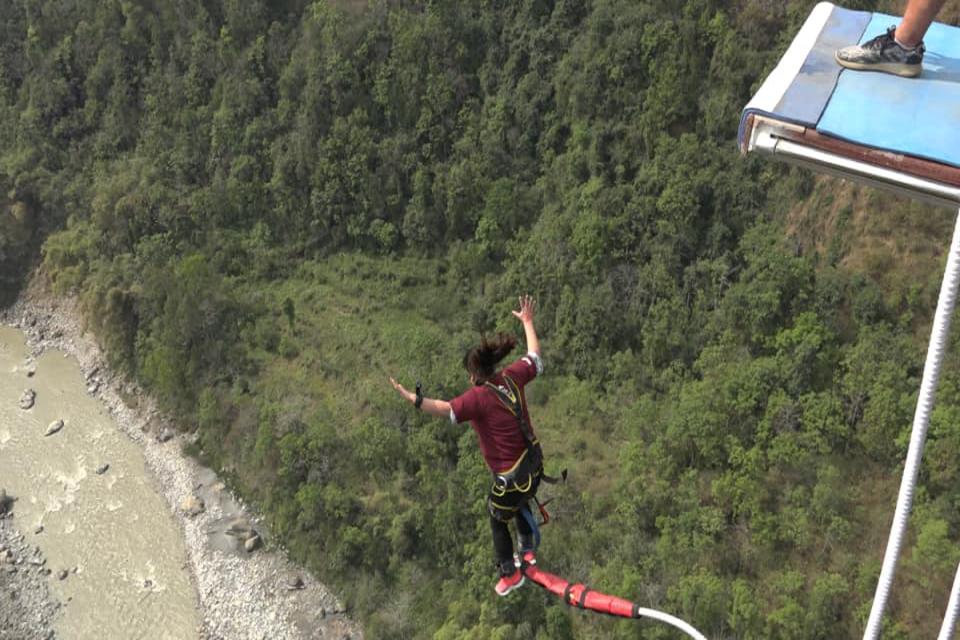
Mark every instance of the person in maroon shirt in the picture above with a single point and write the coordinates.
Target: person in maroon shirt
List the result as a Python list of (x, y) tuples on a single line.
[(496, 407)]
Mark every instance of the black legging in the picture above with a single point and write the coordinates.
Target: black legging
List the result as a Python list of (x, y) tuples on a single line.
[(503, 541), (511, 501)]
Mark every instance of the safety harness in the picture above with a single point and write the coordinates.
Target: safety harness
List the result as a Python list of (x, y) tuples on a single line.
[(513, 401), (524, 473)]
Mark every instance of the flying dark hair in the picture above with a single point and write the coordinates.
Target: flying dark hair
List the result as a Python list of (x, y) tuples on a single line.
[(482, 360)]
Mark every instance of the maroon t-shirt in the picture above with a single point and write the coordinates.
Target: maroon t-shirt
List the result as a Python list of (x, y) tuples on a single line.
[(501, 442)]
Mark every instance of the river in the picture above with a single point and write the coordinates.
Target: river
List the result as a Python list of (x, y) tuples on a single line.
[(113, 532)]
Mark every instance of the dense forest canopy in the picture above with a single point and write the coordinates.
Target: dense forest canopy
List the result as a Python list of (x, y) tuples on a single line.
[(267, 208)]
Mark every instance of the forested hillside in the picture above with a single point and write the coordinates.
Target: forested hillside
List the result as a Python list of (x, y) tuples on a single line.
[(267, 208)]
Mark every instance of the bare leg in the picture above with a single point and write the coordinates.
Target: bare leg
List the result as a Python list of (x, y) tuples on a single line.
[(917, 19)]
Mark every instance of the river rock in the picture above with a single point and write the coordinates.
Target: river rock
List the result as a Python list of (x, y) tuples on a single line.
[(54, 426), (27, 399), (294, 583), (193, 506), (252, 543), (102, 469)]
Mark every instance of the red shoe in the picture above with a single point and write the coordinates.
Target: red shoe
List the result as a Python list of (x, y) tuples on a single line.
[(528, 558), (506, 584)]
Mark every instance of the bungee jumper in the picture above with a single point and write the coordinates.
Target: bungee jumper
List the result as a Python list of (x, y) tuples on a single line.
[(496, 407)]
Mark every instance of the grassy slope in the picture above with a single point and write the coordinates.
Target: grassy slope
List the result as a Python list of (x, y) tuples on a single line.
[(351, 317)]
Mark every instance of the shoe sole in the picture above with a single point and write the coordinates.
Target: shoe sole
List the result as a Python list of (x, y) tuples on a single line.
[(902, 70), (510, 589)]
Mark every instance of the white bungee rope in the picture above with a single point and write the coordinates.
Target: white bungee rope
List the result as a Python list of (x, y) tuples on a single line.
[(921, 419), (953, 607), (669, 619)]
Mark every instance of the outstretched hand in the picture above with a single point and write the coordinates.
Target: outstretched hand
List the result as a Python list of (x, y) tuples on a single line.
[(525, 313), (409, 396)]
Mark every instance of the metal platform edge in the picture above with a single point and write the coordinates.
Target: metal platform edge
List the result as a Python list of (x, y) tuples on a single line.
[(768, 136)]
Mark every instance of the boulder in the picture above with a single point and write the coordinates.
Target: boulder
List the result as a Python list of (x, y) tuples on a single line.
[(294, 583), (102, 469), (252, 543), (53, 427), (193, 506), (62, 575), (165, 435), (27, 399)]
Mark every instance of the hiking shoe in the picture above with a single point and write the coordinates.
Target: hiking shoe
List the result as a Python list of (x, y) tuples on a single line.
[(883, 54), (506, 584), (528, 558)]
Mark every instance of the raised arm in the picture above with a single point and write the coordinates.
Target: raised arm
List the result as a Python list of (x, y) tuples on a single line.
[(438, 408), (525, 315)]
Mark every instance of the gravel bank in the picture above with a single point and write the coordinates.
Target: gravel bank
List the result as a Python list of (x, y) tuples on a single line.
[(241, 595), (27, 610)]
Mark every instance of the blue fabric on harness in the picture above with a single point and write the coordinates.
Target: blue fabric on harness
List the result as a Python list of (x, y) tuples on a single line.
[(528, 516)]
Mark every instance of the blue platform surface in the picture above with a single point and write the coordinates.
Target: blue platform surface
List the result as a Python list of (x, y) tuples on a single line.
[(918, 117)]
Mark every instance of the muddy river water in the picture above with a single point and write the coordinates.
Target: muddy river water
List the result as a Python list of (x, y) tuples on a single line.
[(113, 529)]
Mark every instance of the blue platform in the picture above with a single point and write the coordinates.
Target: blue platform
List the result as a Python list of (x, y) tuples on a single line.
[(918, 117)]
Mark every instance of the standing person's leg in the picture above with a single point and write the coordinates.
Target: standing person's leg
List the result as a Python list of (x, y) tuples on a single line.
[(898, 51), (918, 17)]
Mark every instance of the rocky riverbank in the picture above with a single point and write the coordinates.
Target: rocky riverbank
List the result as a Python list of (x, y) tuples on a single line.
[(27, 610), (244, 591)]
